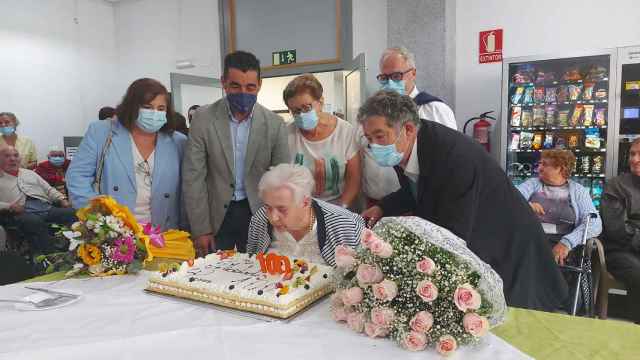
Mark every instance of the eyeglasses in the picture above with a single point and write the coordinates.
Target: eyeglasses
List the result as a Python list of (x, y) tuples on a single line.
[(395, 76), (144, 169)]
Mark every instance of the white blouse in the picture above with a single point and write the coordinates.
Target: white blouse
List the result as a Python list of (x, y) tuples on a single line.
[(144, 173), (306, 248)]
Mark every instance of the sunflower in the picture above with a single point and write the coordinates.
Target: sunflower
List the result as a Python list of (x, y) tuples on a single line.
[(90, 254)]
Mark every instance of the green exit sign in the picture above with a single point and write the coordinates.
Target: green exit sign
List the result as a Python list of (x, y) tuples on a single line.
[(284, 57)]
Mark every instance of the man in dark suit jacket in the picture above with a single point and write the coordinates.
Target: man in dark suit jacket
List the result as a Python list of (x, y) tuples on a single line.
[(232, 143), (448, 179)]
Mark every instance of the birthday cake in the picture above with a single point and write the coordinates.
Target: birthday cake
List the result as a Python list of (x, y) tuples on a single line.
[(267, 284)]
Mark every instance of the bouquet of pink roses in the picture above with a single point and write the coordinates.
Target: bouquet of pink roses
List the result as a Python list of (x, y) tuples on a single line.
[(418, 284)]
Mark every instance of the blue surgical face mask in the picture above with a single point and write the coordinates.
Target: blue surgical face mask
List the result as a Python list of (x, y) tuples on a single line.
[(242, 102), (386, 155), (7, 130), (306, 120), (150, 120), (56, 160), (394, 85)]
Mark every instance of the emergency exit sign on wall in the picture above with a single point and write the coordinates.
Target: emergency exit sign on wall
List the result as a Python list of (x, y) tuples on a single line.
[(490, 46), (284, 57)]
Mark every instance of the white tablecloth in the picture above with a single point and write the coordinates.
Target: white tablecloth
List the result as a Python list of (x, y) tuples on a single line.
[(116, 319)]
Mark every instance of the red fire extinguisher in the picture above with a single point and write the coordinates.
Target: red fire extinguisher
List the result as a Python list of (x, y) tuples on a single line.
[(481, 129)]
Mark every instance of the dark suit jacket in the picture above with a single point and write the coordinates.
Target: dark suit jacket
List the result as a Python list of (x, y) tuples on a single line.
[(462, 188)]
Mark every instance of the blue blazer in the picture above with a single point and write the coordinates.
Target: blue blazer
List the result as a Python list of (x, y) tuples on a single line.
[(118, 176)]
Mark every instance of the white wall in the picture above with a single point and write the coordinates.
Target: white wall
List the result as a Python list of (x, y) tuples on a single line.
[(370, 36), (543, 27), (56, 73), (153, 34)]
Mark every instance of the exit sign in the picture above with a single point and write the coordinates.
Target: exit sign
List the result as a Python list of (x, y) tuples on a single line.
[(284, 57)]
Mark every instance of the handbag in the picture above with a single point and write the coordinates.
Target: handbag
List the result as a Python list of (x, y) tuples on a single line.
[(103, 154)]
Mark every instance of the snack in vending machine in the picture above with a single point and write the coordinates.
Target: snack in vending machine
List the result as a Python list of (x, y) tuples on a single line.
[(538, 94), (597, 164), (596, 73), (574, 92), (597, 188), (550, 95), (588, 91), (526, 139), (563, 93), (592, 138), (516, 112), (548, 141), (517, 95), (515, 141), (601, 94), (561, 142), (525, 73), (587, 119), (526, 119), (538, 115), (537, 141), (528, 95), (563, 118), (585, 164), (572, 74), (575, 116), (601, 117), (573, 140), (550, 113)]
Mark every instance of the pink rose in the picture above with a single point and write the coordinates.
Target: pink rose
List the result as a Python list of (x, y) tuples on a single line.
[(426, 266), (415, 341), (336, 299), (466, 297), (475, 324), (427, 290), (446, 345), (382, 316), (345, 256), (339, 313), (386, 290), (373, 330), (381, 248), (368, 237), (352, 296), (356, 321), (368, 274), (422, 322)]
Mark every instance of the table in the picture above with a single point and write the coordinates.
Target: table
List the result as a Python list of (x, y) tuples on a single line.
[(117, 320)]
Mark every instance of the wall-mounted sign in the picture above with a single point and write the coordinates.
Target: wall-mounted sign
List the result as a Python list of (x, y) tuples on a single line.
[(490, 46), (284, 57)]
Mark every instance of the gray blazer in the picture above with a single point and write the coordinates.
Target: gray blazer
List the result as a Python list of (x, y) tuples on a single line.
[(208, 167)]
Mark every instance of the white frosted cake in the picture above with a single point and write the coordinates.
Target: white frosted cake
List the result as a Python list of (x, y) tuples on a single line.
[(242, 282)]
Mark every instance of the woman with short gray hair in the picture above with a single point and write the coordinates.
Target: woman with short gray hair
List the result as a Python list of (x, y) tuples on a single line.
[(8, 125), (292, 223)]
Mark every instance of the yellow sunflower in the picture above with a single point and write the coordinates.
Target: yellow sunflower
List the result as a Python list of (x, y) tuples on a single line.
[(90, 254)]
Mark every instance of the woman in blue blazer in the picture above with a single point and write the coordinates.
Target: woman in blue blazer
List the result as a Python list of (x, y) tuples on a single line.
[(135, 158)]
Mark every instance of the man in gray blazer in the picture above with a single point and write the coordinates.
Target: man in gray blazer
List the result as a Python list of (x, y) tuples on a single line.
[(232, 142)]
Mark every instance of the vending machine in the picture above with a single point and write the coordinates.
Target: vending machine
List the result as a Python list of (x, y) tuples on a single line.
[(560, 102), (627, 105)]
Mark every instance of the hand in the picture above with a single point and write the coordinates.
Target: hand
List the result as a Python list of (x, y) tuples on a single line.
[(372, 215), (560, 253), (65, 203), (17, 208), (203, 243), (537, 208)]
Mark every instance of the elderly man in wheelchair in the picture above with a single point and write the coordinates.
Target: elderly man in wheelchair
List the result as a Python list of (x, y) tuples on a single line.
[(567, 215), (29, 204)]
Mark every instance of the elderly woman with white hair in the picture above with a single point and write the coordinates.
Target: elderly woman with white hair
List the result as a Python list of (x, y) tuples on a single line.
[(292, 223)]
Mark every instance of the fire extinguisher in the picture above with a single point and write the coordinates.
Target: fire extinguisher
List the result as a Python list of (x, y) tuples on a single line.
[(481, 129)]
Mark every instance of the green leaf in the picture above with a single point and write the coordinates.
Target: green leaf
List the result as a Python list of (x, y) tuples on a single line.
[(134, 267)]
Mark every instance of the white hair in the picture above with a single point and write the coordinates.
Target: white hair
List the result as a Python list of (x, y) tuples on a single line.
[(400, 50), (296, 178)]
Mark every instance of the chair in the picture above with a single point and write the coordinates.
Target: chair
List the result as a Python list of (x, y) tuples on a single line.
[(607, 282)]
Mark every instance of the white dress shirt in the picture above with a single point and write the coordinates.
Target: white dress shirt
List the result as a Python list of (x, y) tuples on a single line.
[(436, 111)]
